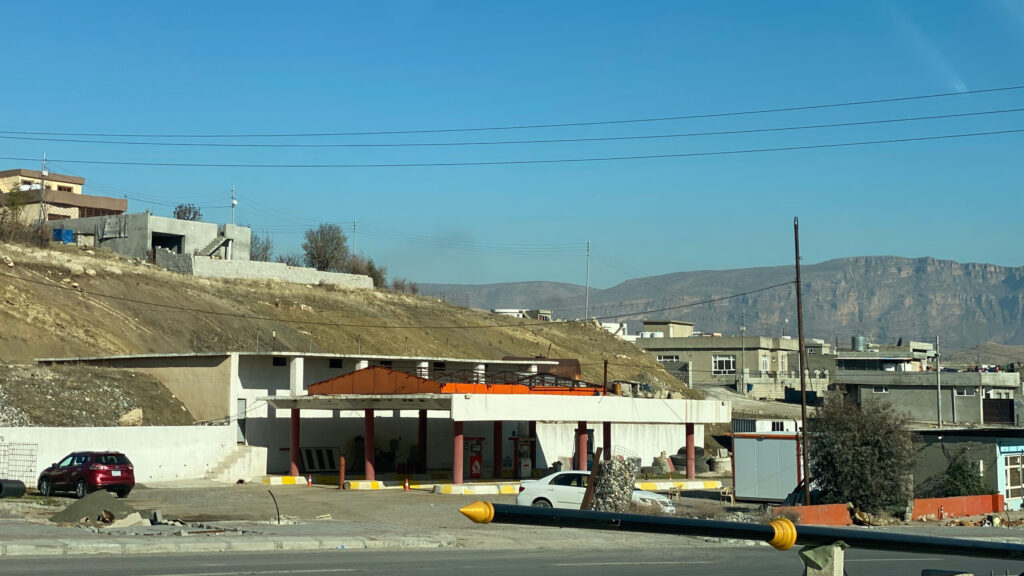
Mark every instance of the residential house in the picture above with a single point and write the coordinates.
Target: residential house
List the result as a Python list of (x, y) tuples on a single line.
[(534, 314), (755, 365), (996, 453), (47, 196)]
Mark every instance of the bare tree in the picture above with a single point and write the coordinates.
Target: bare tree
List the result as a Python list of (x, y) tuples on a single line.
[(326, 248), (261, 247), (291, 259), (188, 212)]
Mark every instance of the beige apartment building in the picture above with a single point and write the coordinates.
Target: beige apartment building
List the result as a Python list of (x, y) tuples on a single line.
[(49, 196)]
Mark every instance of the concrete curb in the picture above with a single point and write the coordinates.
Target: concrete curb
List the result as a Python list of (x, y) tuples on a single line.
[(285, 480), (177, 544), (665, 485), (476, 488)]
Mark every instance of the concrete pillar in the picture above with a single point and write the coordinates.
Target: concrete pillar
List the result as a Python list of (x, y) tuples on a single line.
[(423, 369), (368, 446), (296, 368), (360, 364), (457, 453), (691, 460), (607, 433), (480, 373), (421, 445), (293, 446), (498, 439), (531, 430), (581, 446)]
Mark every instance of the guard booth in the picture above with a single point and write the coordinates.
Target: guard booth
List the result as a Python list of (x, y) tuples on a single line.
[(524, 456), (475, 450), (766, 459)]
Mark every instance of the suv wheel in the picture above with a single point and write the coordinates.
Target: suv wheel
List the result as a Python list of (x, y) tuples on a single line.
[(81, 489), (45, 488)]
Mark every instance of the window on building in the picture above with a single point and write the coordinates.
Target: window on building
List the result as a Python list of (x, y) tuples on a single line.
[(386, 363), (334, 362), (778, 426), (669, 358), (440, 366), (1014, 477), (766, 362), (280, 361), (811, 351), (880, 389), (964, 391), (64, 189), (723, 365)]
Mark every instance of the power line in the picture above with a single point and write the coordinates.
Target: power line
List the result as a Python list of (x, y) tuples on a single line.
[(511, 142), (528, 325), (533, 126), (537, 161)]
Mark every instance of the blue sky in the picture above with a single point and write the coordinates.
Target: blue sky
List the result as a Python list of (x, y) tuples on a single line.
[(213, 68)]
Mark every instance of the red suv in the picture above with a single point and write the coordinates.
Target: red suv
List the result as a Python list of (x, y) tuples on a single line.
[(84, 472)]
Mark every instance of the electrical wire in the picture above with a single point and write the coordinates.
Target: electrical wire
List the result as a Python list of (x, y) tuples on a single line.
[(537, 161), (515, 142), (534, 126), (510, 324)]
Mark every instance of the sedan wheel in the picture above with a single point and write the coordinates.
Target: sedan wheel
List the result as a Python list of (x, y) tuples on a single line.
[(81, 489), (44, 487), (541, 503)]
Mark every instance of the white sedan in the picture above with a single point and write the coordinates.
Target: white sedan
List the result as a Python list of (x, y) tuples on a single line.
[(566, 490)]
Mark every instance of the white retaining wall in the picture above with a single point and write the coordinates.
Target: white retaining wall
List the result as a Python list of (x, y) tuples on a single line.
[(159, 453), (253, 270)]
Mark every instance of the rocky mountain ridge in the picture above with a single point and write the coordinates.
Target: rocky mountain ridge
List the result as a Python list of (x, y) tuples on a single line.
[(882, 297)]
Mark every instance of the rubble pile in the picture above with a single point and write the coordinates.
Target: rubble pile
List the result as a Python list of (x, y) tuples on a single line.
[(613, 489)]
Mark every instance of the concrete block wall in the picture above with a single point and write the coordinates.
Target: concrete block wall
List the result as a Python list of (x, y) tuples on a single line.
[(211, 268), (159, 453), (180, 263)]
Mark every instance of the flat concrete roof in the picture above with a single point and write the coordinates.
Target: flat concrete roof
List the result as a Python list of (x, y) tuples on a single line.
[(524, 407), (544, 362)]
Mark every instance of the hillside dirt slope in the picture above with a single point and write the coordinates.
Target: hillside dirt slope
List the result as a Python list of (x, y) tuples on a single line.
[(67, 302)]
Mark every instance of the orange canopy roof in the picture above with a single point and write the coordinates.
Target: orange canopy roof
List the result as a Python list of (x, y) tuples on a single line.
[(378, 380)]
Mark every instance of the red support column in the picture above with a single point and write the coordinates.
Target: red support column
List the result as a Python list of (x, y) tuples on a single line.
[(421, 438), (498, 439), (368, 446), (293, 447), (532, 432), (581, 446), (457, 454), (691, 461), (607, 433)]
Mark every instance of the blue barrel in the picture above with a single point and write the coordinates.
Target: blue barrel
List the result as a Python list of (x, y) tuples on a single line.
[(64, 236)]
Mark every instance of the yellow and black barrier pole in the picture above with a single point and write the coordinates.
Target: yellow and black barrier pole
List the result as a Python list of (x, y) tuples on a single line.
[(780, 533)]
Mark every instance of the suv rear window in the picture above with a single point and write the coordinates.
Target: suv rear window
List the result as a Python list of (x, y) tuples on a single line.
[(112, 459)]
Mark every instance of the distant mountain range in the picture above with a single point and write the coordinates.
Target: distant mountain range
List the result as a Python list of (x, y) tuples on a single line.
[(882, 297)]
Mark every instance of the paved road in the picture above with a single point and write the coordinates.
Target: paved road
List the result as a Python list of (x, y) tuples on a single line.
[(581, 562)]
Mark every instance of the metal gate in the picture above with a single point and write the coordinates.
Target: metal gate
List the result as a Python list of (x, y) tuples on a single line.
[(997, 410), (18, 461)]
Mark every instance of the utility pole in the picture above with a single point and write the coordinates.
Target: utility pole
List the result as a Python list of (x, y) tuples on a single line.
[(234, 202), (42, 191), (803, 365), (938, 382), (586, 307), (355, 238), (743, 351)]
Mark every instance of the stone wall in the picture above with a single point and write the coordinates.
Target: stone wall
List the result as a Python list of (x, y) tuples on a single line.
[(211, 268)]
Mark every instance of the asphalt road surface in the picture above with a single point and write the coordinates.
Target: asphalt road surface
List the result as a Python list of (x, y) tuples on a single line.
[(744, 561)]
